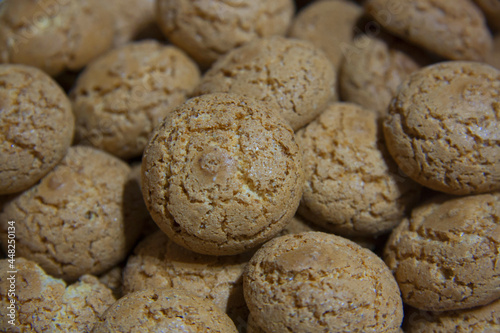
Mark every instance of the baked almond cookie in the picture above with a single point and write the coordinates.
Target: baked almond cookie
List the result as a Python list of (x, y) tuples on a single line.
[(443, 127), (493, 58), (36, 126), (292, 76), (46, 304), (53, 35), (479, 319), (328, 25), (80, 219), (455, 30), (207, 29), (164, 310), (445, 256), (124, 94), (491, 9), (157, 262), (222, 174), (318, 282), (352, 186)]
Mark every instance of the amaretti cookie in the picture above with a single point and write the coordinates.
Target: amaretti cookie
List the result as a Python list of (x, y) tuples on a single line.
[(491, 9), (443, 127), (293, 76), (445, 256), (79, 219), (222, 174), (53, 35), (36, 126), (352, 186), (123, 95), (157, 262), (318, 282), (164, 310), (455, 30), (207, 29), (46, 304), (493, 58)]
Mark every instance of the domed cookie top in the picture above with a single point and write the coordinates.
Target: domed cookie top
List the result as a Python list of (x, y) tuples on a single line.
[(222, 174), (443, 127)]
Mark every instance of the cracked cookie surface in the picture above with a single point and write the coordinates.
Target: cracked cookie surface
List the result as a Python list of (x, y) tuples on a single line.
[(443, 127), (222, 174), (36, 126), (445, 256)]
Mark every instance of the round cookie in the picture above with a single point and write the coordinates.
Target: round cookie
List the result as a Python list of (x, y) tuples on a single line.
[(222, 174), (491, 9), (455, 30), (292, 76), (164, 310), (328, 25), (352, 186), (36, 126), (443, 127), (46, 304), (207, 29), (80, 219), (317, 282), (445, 256), (53, 35), (123, 95), (157, 262)]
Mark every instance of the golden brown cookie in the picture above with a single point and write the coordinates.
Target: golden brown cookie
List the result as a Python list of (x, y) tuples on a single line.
[(328, 25), (53, 35), (493, 58), (445, 256), (452, 29), (207, 29), (352, 186), (318, 282), (222, 174), (36, 126), (491, 9), (124, 94), (46, 304), (164, 310), (157, 262), (79, 219), (479, 319), (293, 76), (443, 127)]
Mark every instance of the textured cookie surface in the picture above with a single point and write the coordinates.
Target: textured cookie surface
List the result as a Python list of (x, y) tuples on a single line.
[(79, 219), (292, 76), (123, 95), (455, 30), (222, 174), (207, 29), (36, 126), (443, 127), (164, 310), (317, 282), (352, 186), (445, 256)]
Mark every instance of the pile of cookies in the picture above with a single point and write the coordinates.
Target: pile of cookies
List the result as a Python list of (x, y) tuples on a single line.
[(250, 166)]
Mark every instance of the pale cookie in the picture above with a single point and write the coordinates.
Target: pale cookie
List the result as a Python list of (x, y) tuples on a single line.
[(80, 219), (318, 282), (157, 262), (445, 256), (491, 9), (352, 186), (46, 304), (222, 174), (443, 127), (293, 76), (164, 310), (124, 94), (328, 25), (36, 126), (53, 35), (452, 29), (207, 29)]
